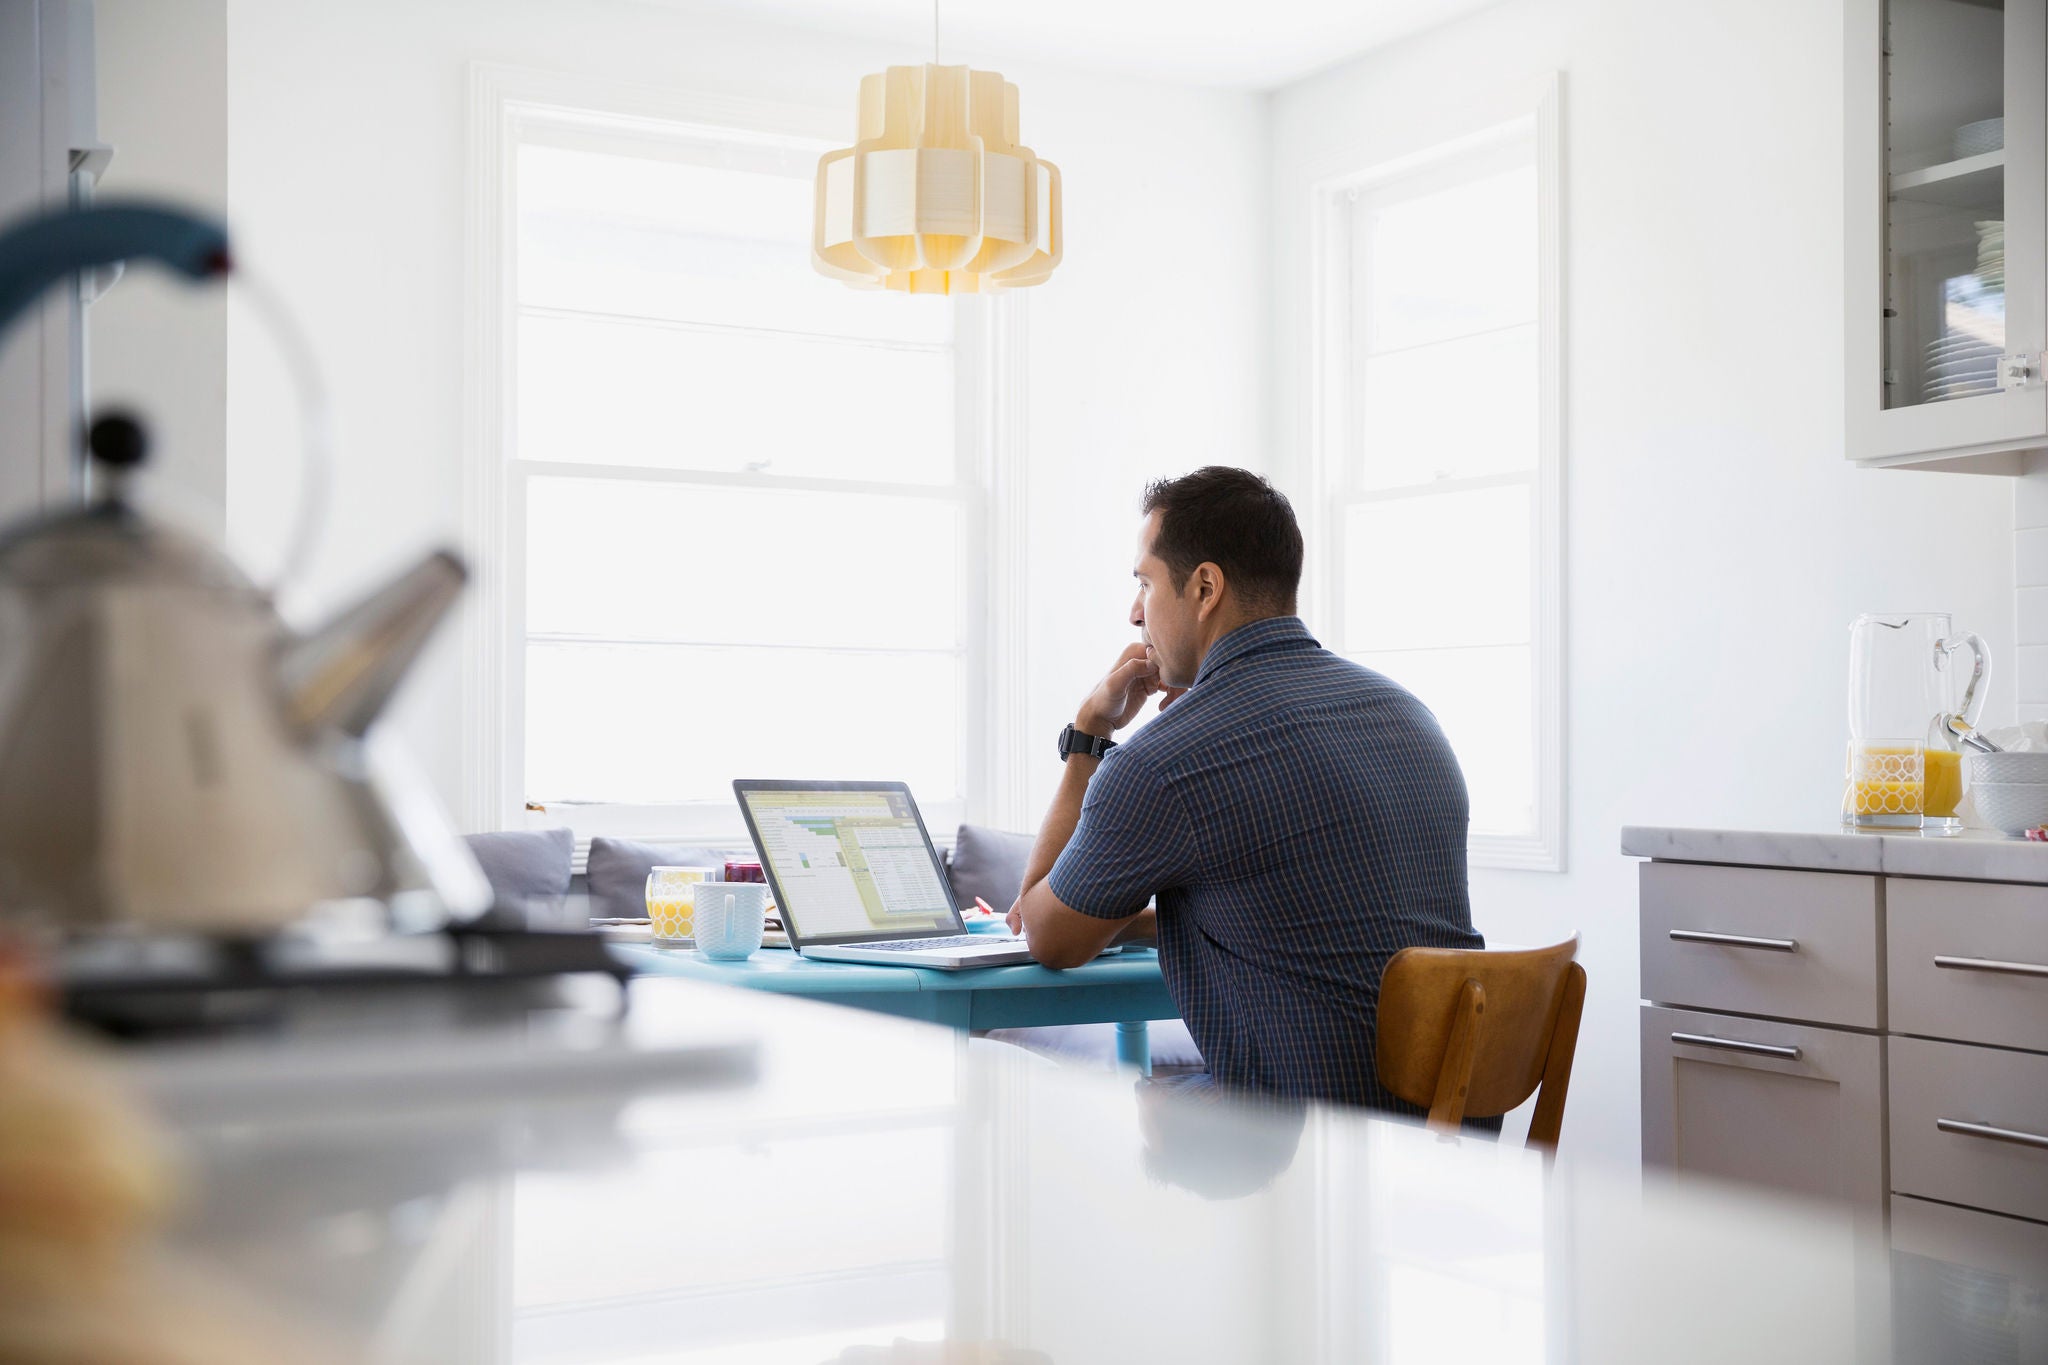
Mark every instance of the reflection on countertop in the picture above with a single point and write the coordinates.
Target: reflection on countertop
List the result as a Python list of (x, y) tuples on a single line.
[(870, 1189)]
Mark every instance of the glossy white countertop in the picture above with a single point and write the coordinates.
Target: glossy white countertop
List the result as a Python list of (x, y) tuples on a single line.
[(865, 1189), (1974, 855)]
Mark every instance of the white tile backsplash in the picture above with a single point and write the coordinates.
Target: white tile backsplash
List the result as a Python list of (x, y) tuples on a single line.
[(2030, 590), (2033, 616), (2030, 558), (2030, 503), (2032, 672)]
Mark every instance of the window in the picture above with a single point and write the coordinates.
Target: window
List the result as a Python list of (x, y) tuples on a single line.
[(1439, 457), (737, 500)]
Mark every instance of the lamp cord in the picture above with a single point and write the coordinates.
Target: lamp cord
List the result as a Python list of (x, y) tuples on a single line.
[(935, 32)]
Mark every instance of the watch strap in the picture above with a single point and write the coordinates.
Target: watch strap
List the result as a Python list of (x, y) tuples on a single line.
[(1076, 741)]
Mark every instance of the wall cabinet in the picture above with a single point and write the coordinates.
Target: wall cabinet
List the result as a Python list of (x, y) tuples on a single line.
[(1945, 251)]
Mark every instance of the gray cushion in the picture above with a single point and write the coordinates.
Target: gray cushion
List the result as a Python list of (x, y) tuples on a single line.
[(526, 868), (988, 863), (619, 868)]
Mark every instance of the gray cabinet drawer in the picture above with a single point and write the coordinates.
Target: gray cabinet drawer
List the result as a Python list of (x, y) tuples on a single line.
[(1793, 945), (1968, 961), (1969, 1125), (1967, 1285), (1788, 1106)]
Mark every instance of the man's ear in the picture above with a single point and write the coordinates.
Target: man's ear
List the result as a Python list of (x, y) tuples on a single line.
[(1208, 588)]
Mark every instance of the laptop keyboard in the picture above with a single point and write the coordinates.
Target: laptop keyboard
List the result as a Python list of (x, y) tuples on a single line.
[(918, 945)]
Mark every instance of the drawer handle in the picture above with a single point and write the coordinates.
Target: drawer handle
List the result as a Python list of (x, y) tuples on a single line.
[(1790, 1054), (1773, 945), (1991, 964), (1987, 1131)]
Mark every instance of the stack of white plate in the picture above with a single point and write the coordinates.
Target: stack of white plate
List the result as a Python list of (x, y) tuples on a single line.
[(1991, 254), (1961, 366), (1963, 361), (1985, 135)]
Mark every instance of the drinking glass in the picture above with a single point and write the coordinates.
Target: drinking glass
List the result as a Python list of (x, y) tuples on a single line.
[(669, 907)]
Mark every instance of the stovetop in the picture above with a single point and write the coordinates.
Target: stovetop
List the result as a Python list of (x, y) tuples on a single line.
[(154, 985)]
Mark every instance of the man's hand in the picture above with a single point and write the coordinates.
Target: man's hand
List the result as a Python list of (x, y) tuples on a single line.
[(1117, 698), (1060, 936)]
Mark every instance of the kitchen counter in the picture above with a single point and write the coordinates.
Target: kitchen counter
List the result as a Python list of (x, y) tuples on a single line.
[(867, 1189), (1974, 855), (1861, 1018)]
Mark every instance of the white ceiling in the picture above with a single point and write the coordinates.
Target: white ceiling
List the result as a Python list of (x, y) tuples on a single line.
[(1235, 44)]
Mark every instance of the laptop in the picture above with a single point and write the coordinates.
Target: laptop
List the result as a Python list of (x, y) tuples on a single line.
[(857, 880)]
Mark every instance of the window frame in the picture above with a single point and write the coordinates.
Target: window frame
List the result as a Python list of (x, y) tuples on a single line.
[(1334, 368), (510, 107)]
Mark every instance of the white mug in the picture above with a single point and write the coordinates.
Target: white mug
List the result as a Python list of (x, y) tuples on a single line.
[(728, 918)]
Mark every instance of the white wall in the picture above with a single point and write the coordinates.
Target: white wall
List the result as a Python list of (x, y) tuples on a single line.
[(159, 344), (1147, 355), (1718, 542), (346, 135)]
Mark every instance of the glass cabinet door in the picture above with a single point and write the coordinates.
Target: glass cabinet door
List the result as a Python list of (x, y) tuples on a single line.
[(1945, 231), (1944, 243)]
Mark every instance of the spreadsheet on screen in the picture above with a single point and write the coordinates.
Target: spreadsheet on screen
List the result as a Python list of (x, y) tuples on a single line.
[(850, 862)]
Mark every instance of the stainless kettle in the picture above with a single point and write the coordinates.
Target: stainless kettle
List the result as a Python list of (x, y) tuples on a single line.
[(173, 757)]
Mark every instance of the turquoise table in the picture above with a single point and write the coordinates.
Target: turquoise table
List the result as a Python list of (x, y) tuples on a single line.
[(1125, 990)]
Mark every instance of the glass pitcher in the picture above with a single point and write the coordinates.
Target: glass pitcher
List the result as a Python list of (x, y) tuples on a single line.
[(1905, 683)]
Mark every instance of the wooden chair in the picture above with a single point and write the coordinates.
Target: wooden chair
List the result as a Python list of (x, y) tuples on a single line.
[(1472, 1033)]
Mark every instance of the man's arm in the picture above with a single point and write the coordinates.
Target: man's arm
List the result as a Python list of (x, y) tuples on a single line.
[(1059, 935)]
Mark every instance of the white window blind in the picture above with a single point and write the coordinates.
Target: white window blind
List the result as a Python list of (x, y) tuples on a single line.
[(740, 498), (1443, 518)]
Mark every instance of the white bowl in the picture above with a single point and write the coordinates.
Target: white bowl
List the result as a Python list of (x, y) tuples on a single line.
[(2014, 808), (2006, 768)]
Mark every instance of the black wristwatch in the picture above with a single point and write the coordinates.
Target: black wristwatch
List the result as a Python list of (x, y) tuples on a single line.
[(1074, 741)]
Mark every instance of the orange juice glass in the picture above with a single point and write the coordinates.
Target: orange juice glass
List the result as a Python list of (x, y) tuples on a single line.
[(1944, 769), (1887, 784)]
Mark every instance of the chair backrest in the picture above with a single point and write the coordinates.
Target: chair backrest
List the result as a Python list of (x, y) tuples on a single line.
[(1472, 1033)]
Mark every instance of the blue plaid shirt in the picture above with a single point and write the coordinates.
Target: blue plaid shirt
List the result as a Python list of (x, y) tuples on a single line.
[(1300, 819)]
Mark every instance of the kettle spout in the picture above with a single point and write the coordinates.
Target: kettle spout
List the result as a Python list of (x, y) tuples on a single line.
[(342, 675)]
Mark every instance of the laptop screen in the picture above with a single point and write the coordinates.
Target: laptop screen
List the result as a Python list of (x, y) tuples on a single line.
[(848, 860)]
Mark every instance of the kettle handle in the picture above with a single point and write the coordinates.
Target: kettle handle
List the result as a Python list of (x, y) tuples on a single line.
[(38, 251)]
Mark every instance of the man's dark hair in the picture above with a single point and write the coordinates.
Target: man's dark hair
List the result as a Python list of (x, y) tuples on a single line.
[(1235, 520)]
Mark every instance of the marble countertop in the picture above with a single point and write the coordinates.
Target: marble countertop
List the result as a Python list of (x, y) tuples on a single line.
[(869, 1190), (1974, 855)]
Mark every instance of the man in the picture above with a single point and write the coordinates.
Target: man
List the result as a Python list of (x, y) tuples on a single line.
[(1299, 818)]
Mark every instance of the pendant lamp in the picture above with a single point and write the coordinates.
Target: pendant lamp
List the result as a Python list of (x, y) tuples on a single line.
[(937, 196)]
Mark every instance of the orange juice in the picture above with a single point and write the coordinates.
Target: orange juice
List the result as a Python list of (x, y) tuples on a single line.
[(1886, 780), (670, 910), (1944, 783)]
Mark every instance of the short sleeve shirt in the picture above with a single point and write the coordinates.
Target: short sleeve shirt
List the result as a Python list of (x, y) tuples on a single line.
[(1299, 819)]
